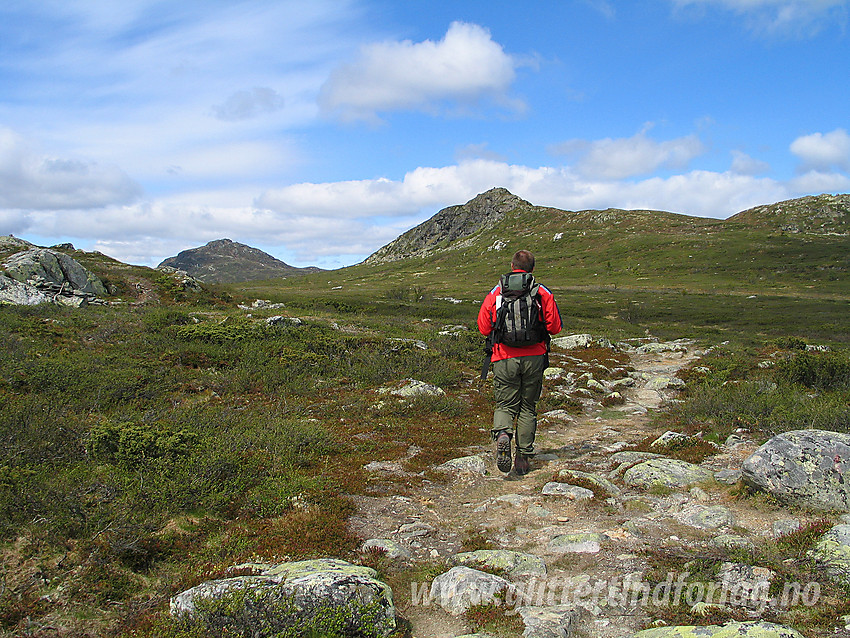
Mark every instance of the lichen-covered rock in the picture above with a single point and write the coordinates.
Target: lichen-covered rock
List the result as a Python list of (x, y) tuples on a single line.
[(548, 622), (669, 473), (462, 587), (833, 551), (574, 342), (597, 483), (514, 564), (753, 629), (713, 517), (803, 467), (572, 492), (578, 543), (278, 597), (666, 346), (47, 265), (414, 388), (465, 465), (14, 292), (665, 383)]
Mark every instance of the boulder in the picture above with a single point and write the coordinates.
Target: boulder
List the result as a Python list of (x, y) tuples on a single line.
[(670, 473), (42, 264), (803, 467), (461, 588), (752, 629), (299, 594), (513, 564)]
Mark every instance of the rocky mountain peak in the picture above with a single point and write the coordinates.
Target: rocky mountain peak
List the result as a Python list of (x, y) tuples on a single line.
[(450, 225)]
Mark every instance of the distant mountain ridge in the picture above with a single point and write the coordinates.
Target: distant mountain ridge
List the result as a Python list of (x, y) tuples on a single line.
[(461, 226), (227, 261)]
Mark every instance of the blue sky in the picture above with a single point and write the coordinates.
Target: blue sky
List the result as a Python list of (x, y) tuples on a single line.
[(319, 131)]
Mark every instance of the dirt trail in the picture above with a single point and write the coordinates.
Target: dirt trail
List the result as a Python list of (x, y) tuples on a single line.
[(513, 514)]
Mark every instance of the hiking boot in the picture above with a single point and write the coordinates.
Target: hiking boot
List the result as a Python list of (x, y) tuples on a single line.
[(521, 464), (503, 452)]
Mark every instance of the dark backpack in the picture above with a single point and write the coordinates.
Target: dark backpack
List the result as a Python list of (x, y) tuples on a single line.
[(519, 312)]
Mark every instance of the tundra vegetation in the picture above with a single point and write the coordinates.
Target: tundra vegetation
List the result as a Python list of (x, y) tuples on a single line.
[(151, 445)]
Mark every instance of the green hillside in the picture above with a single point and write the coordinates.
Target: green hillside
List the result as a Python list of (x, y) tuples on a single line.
[(153, 444), (749, 275)]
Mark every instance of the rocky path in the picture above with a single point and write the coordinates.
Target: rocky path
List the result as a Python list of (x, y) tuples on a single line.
[(578, 523)]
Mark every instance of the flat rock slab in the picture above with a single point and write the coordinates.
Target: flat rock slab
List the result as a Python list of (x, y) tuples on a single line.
[(514, 564), (756, 629), (572, 492), (465, 465), (578, 543), (669, 473)]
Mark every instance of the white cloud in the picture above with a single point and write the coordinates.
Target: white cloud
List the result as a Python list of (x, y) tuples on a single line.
[(823, 151), (465, 66), (244, 105), (631, 156), (35, 181), (820, 182), (777, 17), (743, 164)]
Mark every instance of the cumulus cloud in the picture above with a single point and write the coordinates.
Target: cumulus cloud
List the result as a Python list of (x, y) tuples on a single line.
[(823, 151), (631, 156), (774, 17), (465, 66), (244, 105), (743, 164), (35, 181)]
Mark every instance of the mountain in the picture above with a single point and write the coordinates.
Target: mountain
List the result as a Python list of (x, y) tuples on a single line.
[(449, 225), (799, 246), (816, 215), (226, 261)]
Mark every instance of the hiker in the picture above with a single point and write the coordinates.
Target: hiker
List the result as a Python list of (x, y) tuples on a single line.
[(518, 317)]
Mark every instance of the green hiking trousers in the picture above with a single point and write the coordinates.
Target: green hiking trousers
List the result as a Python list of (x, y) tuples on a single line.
[(517, 384)]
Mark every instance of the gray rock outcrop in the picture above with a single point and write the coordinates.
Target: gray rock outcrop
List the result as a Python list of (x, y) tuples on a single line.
[(803, 467), (44, 265), (291, 594), (14, 292)]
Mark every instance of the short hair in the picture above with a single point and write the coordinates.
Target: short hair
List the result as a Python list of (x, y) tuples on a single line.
[(523, 260)]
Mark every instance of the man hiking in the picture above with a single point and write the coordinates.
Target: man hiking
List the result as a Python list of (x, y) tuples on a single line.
[(517, 317)]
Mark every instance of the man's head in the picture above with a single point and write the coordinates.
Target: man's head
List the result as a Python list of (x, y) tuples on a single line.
[(523, 260)]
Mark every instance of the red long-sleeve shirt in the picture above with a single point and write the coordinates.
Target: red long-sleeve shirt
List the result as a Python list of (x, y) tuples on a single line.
[(487, 316)]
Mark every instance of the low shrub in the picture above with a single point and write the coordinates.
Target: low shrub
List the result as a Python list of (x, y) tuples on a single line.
[(817, 370)]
